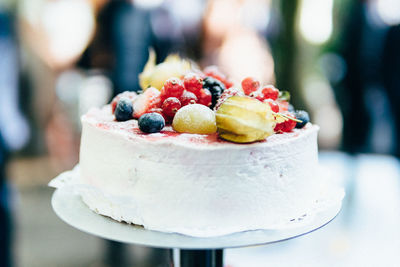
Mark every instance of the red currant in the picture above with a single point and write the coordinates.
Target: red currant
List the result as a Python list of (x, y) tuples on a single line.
[(250, 85), (188, 98), (173, 87), (205, 97), (287, 125), (193, 83), (170, 106), (274, 106), (270, 92)]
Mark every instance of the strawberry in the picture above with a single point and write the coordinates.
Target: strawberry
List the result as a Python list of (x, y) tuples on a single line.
[(146, 102)]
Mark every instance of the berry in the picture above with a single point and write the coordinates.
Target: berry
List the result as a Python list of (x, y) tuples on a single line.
[(250, 85), (147, 101), (290, 108), (214, 72), (126, 94), (226, 94), (274, 106), (287, 125), (196, 118), (216, 89), (151, 122), (123, 109), (173, 87), (270, 92), (170, 106), (193, 83), (303, 116), (188, 98), (205, 97)]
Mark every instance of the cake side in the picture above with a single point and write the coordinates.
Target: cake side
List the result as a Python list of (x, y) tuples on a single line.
[(200, 188)]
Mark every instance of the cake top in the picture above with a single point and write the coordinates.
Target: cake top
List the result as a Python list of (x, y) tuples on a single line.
[(105, 120), (204, 106)]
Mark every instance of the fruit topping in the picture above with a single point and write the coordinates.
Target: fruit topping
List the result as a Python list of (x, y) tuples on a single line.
[(173, 87), (242, 119), (126, 94), (213, 71), (273, 105), (151, 122), (267, 92), (250, 85), (287, 125), (215, 87), (170, 106), (188, 98), (303, 116), (124, 109), (196, 119), (226, 94), (193, 83), (150, 99), (155, 75), (205, 97)]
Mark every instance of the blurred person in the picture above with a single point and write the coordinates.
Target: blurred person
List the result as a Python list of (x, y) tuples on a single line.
[(361, 94), (233, 39), (391, 77), (14, 130)]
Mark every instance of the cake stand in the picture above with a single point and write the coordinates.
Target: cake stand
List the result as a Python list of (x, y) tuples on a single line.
[(204, 252)]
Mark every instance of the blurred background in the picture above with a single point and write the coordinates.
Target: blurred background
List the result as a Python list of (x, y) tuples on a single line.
[(339, 59)]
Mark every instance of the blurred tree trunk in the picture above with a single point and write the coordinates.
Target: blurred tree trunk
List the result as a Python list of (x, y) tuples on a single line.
[(286, 50)]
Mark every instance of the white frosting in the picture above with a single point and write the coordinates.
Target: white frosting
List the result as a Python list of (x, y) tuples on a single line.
[(195, 184)]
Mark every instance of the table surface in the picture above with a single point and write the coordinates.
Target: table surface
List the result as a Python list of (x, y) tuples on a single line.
[(70, 208)]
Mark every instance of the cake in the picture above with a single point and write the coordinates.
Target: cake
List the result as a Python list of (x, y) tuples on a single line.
[(195, 184), (197, 154)]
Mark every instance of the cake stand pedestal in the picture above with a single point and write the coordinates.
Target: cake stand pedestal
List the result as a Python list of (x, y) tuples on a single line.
[(194, 252)]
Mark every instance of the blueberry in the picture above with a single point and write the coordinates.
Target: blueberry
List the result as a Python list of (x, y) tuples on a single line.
[(303, 116), (123, 110), (216, 89), (291, 108), (151, 122)]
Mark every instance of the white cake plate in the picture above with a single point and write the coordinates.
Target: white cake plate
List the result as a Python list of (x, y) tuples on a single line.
[(71, 209)]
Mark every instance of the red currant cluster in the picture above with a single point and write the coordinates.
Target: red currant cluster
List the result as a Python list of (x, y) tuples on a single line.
[(177, 93), (271, 95)]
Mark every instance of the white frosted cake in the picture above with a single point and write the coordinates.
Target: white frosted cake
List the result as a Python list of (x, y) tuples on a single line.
[(196, 154), (197, 184)]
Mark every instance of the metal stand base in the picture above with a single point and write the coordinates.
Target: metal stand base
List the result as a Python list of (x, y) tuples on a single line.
[(201, 258)]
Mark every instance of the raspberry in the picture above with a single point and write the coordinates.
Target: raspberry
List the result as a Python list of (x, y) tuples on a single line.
[(205, 97), (250, 85), (170, 106), (274, 106), (193, 83), (287, 125), (188, 98), (270, 92), (173, 87), (214, 72)]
